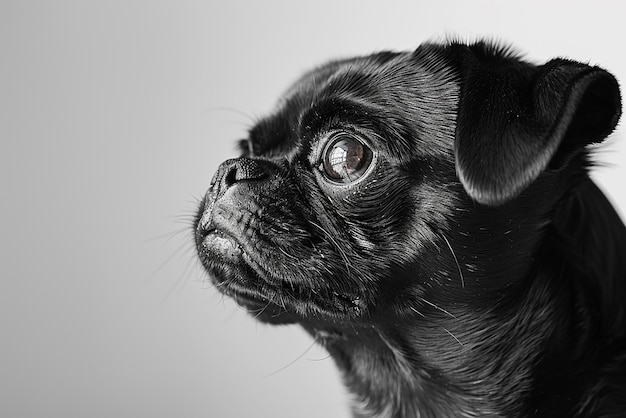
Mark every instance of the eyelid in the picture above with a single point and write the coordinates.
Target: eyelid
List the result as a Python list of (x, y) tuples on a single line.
[(319, 144)]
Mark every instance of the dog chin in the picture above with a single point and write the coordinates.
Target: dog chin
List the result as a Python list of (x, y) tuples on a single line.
[(264, 310), (237, 273), (224, 258)]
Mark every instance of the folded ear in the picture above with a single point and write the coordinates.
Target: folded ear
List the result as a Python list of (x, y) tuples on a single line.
[(515, 119)]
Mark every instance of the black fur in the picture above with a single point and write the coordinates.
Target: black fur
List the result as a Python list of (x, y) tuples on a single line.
[(473, 269)]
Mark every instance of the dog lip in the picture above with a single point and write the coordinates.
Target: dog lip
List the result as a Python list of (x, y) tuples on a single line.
[(229, 247), (226, 245), (261, 293), (233, 246), (245, 296)]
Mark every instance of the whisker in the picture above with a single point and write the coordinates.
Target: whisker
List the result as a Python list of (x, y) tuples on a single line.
[(292, 362), (179, 284), (293, 257), (456, 260), (187, 219), (250, 118), (168, 235), (438, 308), (453, 336), (417, 312), (160, 267), (337, 246), (259, 312)]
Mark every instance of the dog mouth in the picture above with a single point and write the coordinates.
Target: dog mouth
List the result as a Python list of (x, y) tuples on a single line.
[(227, 247), (238, 271)]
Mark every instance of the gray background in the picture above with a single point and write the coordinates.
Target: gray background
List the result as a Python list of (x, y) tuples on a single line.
[(113, 118)]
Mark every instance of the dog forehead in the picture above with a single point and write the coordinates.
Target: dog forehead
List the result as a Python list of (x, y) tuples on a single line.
[(318, 79), (424, 71), (409, 99), (412, 95)]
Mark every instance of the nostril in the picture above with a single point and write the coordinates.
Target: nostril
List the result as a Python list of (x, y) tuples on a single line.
[(230, 177), (245, 169)]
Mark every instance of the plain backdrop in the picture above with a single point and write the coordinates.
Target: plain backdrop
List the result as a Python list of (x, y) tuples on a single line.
[(114, 116)]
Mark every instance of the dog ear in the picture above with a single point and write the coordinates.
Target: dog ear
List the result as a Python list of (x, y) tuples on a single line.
[(516, 119)]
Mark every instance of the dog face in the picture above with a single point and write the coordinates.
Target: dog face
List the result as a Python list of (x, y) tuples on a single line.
[(325, 202), (402, 200)]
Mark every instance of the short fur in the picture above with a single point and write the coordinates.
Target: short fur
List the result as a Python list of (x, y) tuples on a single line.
[(474, 270)]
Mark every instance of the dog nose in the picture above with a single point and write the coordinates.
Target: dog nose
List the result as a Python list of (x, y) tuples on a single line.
[(239, 170), (230, 173)]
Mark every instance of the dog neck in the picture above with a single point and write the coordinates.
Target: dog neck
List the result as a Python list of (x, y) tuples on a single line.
[(383, 380), (455, 367), (466, 362)]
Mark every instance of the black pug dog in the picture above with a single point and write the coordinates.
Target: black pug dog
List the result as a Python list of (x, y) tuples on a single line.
[(429, 218)]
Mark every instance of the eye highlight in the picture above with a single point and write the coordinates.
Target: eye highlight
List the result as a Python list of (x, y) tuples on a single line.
[(345, 158)]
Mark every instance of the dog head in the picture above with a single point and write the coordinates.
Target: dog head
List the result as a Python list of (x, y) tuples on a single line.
[(421, 214), (385, 181)]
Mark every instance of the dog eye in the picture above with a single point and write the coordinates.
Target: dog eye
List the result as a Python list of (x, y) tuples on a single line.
[(345, 158)]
